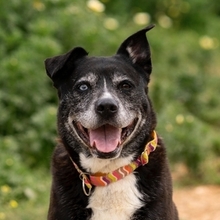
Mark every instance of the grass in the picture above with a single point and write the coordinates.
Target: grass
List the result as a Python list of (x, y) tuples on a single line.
[(32, 205)]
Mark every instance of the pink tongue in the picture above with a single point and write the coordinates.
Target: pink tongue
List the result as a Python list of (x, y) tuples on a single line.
[(105, 138)]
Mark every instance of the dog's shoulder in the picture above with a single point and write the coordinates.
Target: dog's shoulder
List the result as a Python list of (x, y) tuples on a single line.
[(60, 158)]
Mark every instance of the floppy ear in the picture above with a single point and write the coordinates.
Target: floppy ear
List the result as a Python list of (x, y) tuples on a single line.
[(137, 49), (58, 66)]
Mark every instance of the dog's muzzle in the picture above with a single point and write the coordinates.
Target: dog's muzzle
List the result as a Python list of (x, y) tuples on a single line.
[(105, 141), (106, 108)]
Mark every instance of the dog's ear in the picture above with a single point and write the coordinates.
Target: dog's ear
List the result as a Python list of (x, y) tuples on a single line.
[(57, 67), (137, 49)]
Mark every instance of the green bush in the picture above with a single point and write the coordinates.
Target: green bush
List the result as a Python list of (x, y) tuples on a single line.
[(184, 83)]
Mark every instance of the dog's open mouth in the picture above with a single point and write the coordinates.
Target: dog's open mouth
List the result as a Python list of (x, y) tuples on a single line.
[(105, 139)]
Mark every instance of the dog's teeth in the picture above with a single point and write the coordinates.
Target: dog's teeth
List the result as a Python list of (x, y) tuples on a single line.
[(128, 133), (94, 144)]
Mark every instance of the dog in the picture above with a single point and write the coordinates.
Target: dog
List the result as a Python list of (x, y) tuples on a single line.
[(109, 163)]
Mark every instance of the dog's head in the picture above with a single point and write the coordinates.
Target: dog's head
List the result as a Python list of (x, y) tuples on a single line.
[(104, 108)]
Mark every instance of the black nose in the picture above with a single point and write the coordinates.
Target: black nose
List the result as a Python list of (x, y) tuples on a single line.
[(106, 107)]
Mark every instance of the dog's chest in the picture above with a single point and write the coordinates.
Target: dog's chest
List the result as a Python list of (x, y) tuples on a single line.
[(116, 201)]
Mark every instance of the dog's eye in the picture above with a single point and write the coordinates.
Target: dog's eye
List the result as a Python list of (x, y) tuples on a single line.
[(125, 85), (83, 87)]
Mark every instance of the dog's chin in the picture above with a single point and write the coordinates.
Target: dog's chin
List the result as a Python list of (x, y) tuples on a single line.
[(103, 155), (114, 138)]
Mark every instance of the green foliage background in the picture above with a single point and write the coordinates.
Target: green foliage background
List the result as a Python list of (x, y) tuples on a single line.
[(184, 87)]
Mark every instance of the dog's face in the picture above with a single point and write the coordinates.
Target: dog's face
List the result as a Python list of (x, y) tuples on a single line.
[(103, 100)]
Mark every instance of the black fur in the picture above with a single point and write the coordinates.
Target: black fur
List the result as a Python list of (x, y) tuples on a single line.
[(132, 62)]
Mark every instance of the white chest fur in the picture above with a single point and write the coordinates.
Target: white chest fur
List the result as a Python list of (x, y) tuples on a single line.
[(118, 200)]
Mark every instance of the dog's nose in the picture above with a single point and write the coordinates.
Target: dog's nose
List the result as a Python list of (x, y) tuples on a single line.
[(106, 107)]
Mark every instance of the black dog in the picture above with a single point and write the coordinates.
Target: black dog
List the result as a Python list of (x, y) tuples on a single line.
[(106, 126)]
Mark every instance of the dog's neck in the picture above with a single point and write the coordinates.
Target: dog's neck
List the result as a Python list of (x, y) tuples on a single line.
[(104, 179)]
